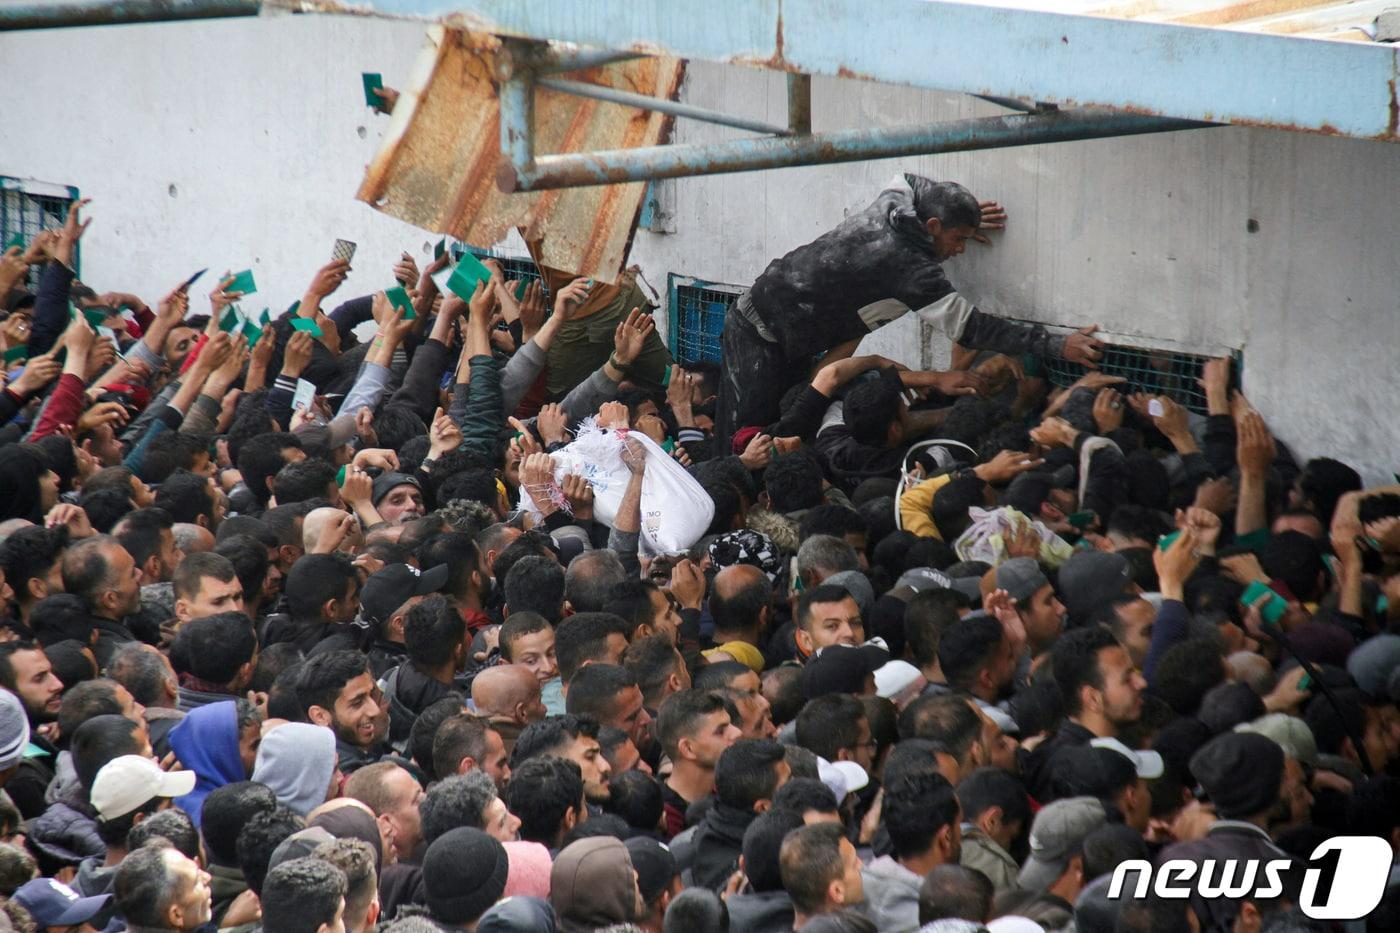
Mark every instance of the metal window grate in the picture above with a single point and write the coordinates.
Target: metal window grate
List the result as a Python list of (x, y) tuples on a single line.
[(697, 311), (514, 267), (27, 208), (1157, 372)]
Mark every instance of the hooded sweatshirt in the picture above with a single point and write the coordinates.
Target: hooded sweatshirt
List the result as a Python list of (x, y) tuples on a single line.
[(206, 742), (891, 895), (592, 885), (765, 912), (297, 760)]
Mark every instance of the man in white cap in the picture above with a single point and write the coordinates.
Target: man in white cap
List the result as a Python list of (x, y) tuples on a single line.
[(126, 790)]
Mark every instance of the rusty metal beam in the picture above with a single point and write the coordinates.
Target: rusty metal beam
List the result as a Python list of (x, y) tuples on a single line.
[(643, 102), (62, 13), (799, 88), (742, 155)]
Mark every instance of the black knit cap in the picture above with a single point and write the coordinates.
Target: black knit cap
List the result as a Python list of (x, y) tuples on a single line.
[(1241, 772), (464, 873)]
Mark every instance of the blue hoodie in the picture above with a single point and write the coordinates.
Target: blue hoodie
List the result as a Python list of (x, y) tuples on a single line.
[(206, 742)]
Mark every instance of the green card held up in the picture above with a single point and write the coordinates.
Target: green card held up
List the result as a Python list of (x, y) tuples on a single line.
[(399, 299), (231, 320), (243, 283), (96, 317), (252, 331), (266, 318), (306, 324), (373, 81), (16, 240), (17, 354), (469, 271)]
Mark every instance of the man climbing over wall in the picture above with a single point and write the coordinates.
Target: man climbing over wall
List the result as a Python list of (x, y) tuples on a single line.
[(822, 298)]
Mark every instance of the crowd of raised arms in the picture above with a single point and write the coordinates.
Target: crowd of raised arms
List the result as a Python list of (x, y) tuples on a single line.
[(308, 629)]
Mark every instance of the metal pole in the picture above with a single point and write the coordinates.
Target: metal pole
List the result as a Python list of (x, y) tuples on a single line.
[(628, 98), (517, 97), (742, 155), (799, 104), (556, 60), (115, 12)]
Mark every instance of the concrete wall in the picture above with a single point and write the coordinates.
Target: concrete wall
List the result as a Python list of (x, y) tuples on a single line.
[(259, 130)]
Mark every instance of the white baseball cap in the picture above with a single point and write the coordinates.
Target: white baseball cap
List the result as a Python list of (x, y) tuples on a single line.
[(131, 781), (1148, 764), (842, 777)]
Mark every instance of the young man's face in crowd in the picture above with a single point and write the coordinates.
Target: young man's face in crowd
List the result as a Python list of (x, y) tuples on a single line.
[(178, 344), (948, 241), (499, 823), (854, 892), (631, 716), (716, 733), (249, 738), (536, 652), (1122, 686), (214, 596), (405, 793), (496, 762), (597, 773), (403, 504), (626, 758), (829, 624), (1136, 631), (1044, 617), (36, 684), (757, 714), (356, 713), (666, 619), (169, 555)]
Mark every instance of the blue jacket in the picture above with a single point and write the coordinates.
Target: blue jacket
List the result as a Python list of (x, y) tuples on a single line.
[(206, 742)]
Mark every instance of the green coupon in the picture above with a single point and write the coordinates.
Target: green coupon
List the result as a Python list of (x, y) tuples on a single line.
[(252, 331), (306, 324), (96, 317), (266, 318), (294, 306), (17, 354), (16, 240), (373, 81), (469, 271), (399, 299), (231, 320), (243, 283)]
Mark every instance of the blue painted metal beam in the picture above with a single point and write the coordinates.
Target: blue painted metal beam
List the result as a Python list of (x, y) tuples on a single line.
[(20, 15), (742, 155), (1191, 72), (661, 105)]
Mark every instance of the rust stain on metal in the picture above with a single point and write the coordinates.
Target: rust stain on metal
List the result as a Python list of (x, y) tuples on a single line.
[(439, 164), (1394, 128)]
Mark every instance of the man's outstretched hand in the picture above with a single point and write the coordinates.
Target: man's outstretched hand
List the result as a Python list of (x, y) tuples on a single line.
[(1083, 347), (993, 218)]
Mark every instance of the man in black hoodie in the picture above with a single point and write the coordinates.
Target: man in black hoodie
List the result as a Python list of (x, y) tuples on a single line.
[(766, 906), (747, 776), (436, 638), (822, 297)]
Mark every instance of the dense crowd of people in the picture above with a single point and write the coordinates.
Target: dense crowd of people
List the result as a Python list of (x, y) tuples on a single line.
[(308, 629)]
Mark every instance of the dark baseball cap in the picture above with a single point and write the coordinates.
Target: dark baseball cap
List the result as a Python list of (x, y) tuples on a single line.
[(655, 866), (842, 669), (395, 585)]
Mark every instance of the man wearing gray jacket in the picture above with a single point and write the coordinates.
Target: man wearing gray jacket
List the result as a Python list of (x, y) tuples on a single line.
[(922, 814)]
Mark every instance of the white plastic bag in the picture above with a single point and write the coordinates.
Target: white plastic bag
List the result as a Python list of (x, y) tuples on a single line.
[(676, 510), (985, 539)]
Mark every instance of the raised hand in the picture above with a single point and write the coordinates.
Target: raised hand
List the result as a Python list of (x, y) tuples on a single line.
[(73, 229), (579, 492), (1254, 445), (1084, 348), (1215, 380), (113, 413), (328, 278), (1054, 432), (38, 372), (297, 354), (993, 218), (569, 298), (379, 457), (1006, 466), (960, 383), (1108, 410), (525, 444), (552, 423), (758, 452), (687, 584), (443, 435), (219, 299), (630, 336), (406, 270), (613, 415), (537, 470)]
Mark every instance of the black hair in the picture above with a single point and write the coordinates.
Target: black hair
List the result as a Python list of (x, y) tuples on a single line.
[(1296, 559), (793, 482), (518, 625), (86, 569), (456, 800), (249, 558), (272, 661), (84, 701), (946, 718), (747, 773), (1334, 723), (952, 502), (433, 632), (1229, 704), (282, 702), (302, 480), (259, 838), (226, 811), (636, 798), (989, 787), (831, 519), (283, 522), (727, 504), (28, 553), (396, 425), (650, 661), (782, 686), (216, 646), (459, 736), (1086, 771), (324, 676), (301, 895), (105, 507), (260, 458), (98, 741), (423, 735), (116, 831), (172, 452), (583, 637), (830, 723), (173, 825), (870, 408), (913, 756), (141, 533), (819, 595), (809, 860), (681, 715), (799, 795), (593, 690), (531, 542), (719, 674), (457, 551), (1323, 482), (1109, 845), (536, 584), (61, 617), (1153, 914), (541, 792), (956, 892), (142, 888), (187, 497), (589, 579), (741, 610), (630, 600), (476, 484), (1185, 673), (72, 662), (1075, 659), (600, 824), (967, 647), (929, 552), (696, 910), (313, 580), (188, 578), (927, 615), (550, 736)]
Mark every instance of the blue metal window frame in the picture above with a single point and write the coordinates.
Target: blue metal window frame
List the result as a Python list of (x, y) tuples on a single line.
[(28, 206), (684, 338)]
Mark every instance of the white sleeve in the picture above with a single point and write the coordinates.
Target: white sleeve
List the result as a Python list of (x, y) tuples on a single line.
[(948, 314)]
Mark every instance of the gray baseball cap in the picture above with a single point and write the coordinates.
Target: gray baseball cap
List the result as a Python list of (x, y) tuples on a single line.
[(1021, 577), (1058, 833)]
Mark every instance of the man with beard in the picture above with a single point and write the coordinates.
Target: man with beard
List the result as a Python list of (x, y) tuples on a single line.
[(924, 821), (26, 672), (100, 572), (574, 738), (823, 297), (1102, 693), (979, 659), (336, 689)]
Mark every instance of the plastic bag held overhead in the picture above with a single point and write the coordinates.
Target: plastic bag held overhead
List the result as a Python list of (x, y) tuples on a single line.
[(676, 510)]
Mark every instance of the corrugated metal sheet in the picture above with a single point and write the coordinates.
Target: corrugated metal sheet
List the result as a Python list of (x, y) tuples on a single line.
[(438, 165), (1317, 19)]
